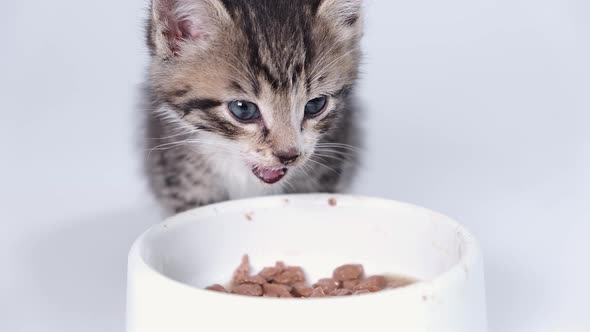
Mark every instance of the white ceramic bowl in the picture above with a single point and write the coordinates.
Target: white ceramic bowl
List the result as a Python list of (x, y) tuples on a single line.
[(171, 263)]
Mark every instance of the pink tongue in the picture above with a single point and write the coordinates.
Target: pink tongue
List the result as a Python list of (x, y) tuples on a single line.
[(270, 174)]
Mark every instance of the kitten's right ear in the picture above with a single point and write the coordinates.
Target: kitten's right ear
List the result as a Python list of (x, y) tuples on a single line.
[(176, 24), (344, 15)]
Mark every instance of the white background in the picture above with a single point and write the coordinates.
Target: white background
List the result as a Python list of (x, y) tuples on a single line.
[(476, 108)]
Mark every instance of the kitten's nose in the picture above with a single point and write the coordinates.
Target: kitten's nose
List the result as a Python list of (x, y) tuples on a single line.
[(287, 157)]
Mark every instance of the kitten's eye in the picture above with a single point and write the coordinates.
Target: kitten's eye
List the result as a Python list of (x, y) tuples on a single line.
[(244, 110), (315, 106)]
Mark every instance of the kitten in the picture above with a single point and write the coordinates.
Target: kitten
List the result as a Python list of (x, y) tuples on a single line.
[(251, 97)]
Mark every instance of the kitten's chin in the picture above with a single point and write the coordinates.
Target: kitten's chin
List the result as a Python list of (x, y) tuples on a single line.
[(269, 175)]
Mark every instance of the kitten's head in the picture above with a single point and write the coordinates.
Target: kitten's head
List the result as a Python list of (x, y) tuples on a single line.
[(268, 77)]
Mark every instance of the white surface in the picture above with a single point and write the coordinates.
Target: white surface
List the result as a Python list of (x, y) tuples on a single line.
[(170, 264), (478, 109)]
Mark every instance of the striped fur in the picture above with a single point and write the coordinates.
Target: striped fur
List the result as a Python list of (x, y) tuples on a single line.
[(278, 54)]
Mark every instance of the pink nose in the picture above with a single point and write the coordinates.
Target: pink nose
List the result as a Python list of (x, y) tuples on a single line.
[(287, 157)]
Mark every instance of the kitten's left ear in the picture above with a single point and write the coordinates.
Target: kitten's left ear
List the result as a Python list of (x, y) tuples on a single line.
[(176, 24), (344, 14)]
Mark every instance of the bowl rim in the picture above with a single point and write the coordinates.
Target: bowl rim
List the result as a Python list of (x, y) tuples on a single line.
[(470, 253)]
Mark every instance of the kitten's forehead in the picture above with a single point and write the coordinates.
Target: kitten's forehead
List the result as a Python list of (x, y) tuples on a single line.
[(276, 38)]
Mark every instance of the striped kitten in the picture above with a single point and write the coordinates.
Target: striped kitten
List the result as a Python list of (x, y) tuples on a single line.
[(250, 97)]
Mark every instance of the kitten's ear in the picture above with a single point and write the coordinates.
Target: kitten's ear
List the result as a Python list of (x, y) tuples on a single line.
[(177, 23), (345, 14)]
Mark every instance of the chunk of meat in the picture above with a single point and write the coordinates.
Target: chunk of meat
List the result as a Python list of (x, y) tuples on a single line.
[(372, 284), (217, 288), (350, 284), (244, 279), (327, 285), (348, 272), (276, 290), (340, 292), (248, 290), (243, 271), (242, 274), (290, 276), (301, 289), (318, 292), (361, 292), (244, 267), (269, 273)]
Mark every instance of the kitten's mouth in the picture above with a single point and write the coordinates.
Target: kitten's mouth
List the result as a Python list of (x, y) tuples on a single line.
[(269, 175)]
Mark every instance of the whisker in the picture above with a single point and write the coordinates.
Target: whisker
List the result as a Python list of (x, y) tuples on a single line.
[(171, 136), (339, 146), (342, 153), (321, 164), (331, 157), (290, 185), (304, 171), (315, 180)]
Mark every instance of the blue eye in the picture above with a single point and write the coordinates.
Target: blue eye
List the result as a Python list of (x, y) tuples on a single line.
[(244, 110), (315, 106)]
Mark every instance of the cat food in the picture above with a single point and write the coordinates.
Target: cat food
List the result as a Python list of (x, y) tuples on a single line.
[(348, 272), (282, 281), (248, 289), (217, 288)]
